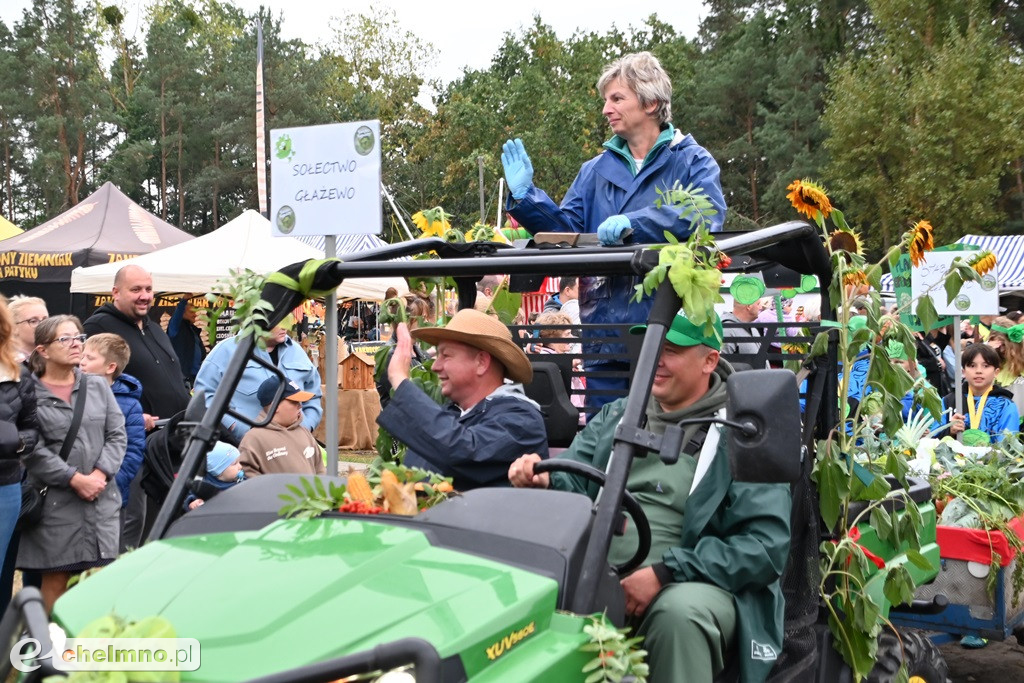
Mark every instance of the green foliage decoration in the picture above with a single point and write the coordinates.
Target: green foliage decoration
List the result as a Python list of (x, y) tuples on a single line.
[(312, 498), (243, 289), (871, 441), (691, 266), (616, 655)]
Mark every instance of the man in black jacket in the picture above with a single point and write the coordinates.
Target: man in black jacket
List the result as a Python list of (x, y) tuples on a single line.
[(153, 361)]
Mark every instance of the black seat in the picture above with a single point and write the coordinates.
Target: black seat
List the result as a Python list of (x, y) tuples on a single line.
[(548, 389), (562, 361)]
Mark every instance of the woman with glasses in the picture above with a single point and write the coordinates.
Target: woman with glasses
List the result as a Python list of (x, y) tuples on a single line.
[(18, 435), (27, 311), (80, 526)]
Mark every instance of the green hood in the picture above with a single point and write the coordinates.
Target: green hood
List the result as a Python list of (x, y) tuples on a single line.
[(287, 595)]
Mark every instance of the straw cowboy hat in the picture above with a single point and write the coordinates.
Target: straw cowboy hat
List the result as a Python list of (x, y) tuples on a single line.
[(484, 332)]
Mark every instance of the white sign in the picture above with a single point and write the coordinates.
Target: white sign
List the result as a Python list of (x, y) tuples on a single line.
[(973, 299), (325, 180)]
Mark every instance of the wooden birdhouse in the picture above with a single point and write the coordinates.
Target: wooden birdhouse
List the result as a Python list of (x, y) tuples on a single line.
[(355, 371)]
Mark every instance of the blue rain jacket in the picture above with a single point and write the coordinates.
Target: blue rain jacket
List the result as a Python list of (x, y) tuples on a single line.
[(608, 185)]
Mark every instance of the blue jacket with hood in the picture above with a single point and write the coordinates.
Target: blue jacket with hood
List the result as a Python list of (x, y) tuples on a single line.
[(128, 392), (608, 185)]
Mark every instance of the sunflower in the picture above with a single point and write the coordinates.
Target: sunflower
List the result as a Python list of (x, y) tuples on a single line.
[(855, 278), (809, 199), (922, 239), (845, 240), (481, 232), (431, 222), (983, 262), (454, 236)]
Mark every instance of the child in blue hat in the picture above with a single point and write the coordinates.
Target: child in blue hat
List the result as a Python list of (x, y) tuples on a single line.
[(223, 470)]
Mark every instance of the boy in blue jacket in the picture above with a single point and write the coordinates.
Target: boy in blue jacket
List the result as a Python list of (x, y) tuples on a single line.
[(107, 354), (990, 410)]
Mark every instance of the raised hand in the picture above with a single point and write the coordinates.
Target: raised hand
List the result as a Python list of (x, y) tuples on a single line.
[(518, 168)]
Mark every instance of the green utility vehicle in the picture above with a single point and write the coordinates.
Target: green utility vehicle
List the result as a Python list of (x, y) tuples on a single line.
[(491, 585)]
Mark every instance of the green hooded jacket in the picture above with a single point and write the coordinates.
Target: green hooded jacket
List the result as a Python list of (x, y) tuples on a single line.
[(734, 535)]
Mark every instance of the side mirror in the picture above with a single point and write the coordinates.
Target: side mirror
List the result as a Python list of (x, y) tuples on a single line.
[(769, 449)]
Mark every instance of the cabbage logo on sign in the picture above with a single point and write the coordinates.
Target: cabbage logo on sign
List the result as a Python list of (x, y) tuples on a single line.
[(364, 140), (286, 219), (283, 148)]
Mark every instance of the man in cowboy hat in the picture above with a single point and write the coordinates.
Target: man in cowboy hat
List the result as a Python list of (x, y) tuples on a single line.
[(488, 421), (709, 588)]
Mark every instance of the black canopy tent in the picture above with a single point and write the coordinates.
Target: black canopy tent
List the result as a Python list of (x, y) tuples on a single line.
[(106, 226)]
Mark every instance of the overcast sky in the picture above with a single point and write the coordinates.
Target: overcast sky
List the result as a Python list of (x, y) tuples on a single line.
[(463, 33)]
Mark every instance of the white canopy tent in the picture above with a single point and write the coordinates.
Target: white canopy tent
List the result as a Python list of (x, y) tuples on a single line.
[(245, 242)]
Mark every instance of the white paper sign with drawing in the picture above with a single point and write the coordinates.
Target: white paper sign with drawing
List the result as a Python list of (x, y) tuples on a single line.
[(973, 299), (325, 180)]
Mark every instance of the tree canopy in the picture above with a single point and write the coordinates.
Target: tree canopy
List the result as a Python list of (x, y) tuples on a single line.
[(903, 109)]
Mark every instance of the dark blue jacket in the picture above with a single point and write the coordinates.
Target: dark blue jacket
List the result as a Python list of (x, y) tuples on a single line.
[(187, 342), (209, 487), (606, 186), (18, 409), (128, 392), (474, 449)]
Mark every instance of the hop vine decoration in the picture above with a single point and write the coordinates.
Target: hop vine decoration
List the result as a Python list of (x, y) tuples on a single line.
[(617, 656), (243, 289), (693, 267)]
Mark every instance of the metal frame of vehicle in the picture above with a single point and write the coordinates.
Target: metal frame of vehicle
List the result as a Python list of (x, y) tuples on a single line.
[(584, 585)]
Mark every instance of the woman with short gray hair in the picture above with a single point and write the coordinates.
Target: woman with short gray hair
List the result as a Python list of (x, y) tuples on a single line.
[(616, 194)]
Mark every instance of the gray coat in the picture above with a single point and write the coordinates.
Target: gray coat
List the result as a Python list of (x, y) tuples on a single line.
[(73, 530)]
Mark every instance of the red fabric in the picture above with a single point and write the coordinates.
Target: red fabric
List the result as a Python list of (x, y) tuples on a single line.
[(854, 535), (533, 302), (975, 545)]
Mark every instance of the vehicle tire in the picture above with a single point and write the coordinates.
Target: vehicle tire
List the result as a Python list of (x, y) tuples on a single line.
[(923, 659)]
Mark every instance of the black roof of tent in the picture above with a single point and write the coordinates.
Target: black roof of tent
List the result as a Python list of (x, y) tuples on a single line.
[(105, 226)]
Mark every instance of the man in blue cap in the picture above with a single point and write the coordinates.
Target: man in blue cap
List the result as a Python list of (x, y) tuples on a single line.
[(710, 584)]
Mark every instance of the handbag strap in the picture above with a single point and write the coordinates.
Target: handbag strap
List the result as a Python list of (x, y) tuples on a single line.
[(76, 420)]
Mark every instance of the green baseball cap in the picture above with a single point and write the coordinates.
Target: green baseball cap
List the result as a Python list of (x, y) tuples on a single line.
[(684, 333)]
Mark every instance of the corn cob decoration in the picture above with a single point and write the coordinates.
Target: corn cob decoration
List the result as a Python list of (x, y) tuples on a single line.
[(359, 489)]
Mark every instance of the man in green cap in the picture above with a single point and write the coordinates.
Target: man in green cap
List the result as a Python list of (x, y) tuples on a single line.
[(709, 589), (746, 294)]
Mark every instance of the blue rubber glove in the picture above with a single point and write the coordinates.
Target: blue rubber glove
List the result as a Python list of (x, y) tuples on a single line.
[(610, 231), (518, 169)]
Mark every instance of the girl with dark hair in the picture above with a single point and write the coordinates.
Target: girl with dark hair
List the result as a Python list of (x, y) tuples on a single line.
[(80, 524), (989, 407)]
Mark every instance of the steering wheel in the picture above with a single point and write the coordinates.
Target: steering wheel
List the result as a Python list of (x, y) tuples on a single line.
[(590, 473)]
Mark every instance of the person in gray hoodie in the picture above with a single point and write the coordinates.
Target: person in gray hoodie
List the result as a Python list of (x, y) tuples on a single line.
[(486, 423)]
